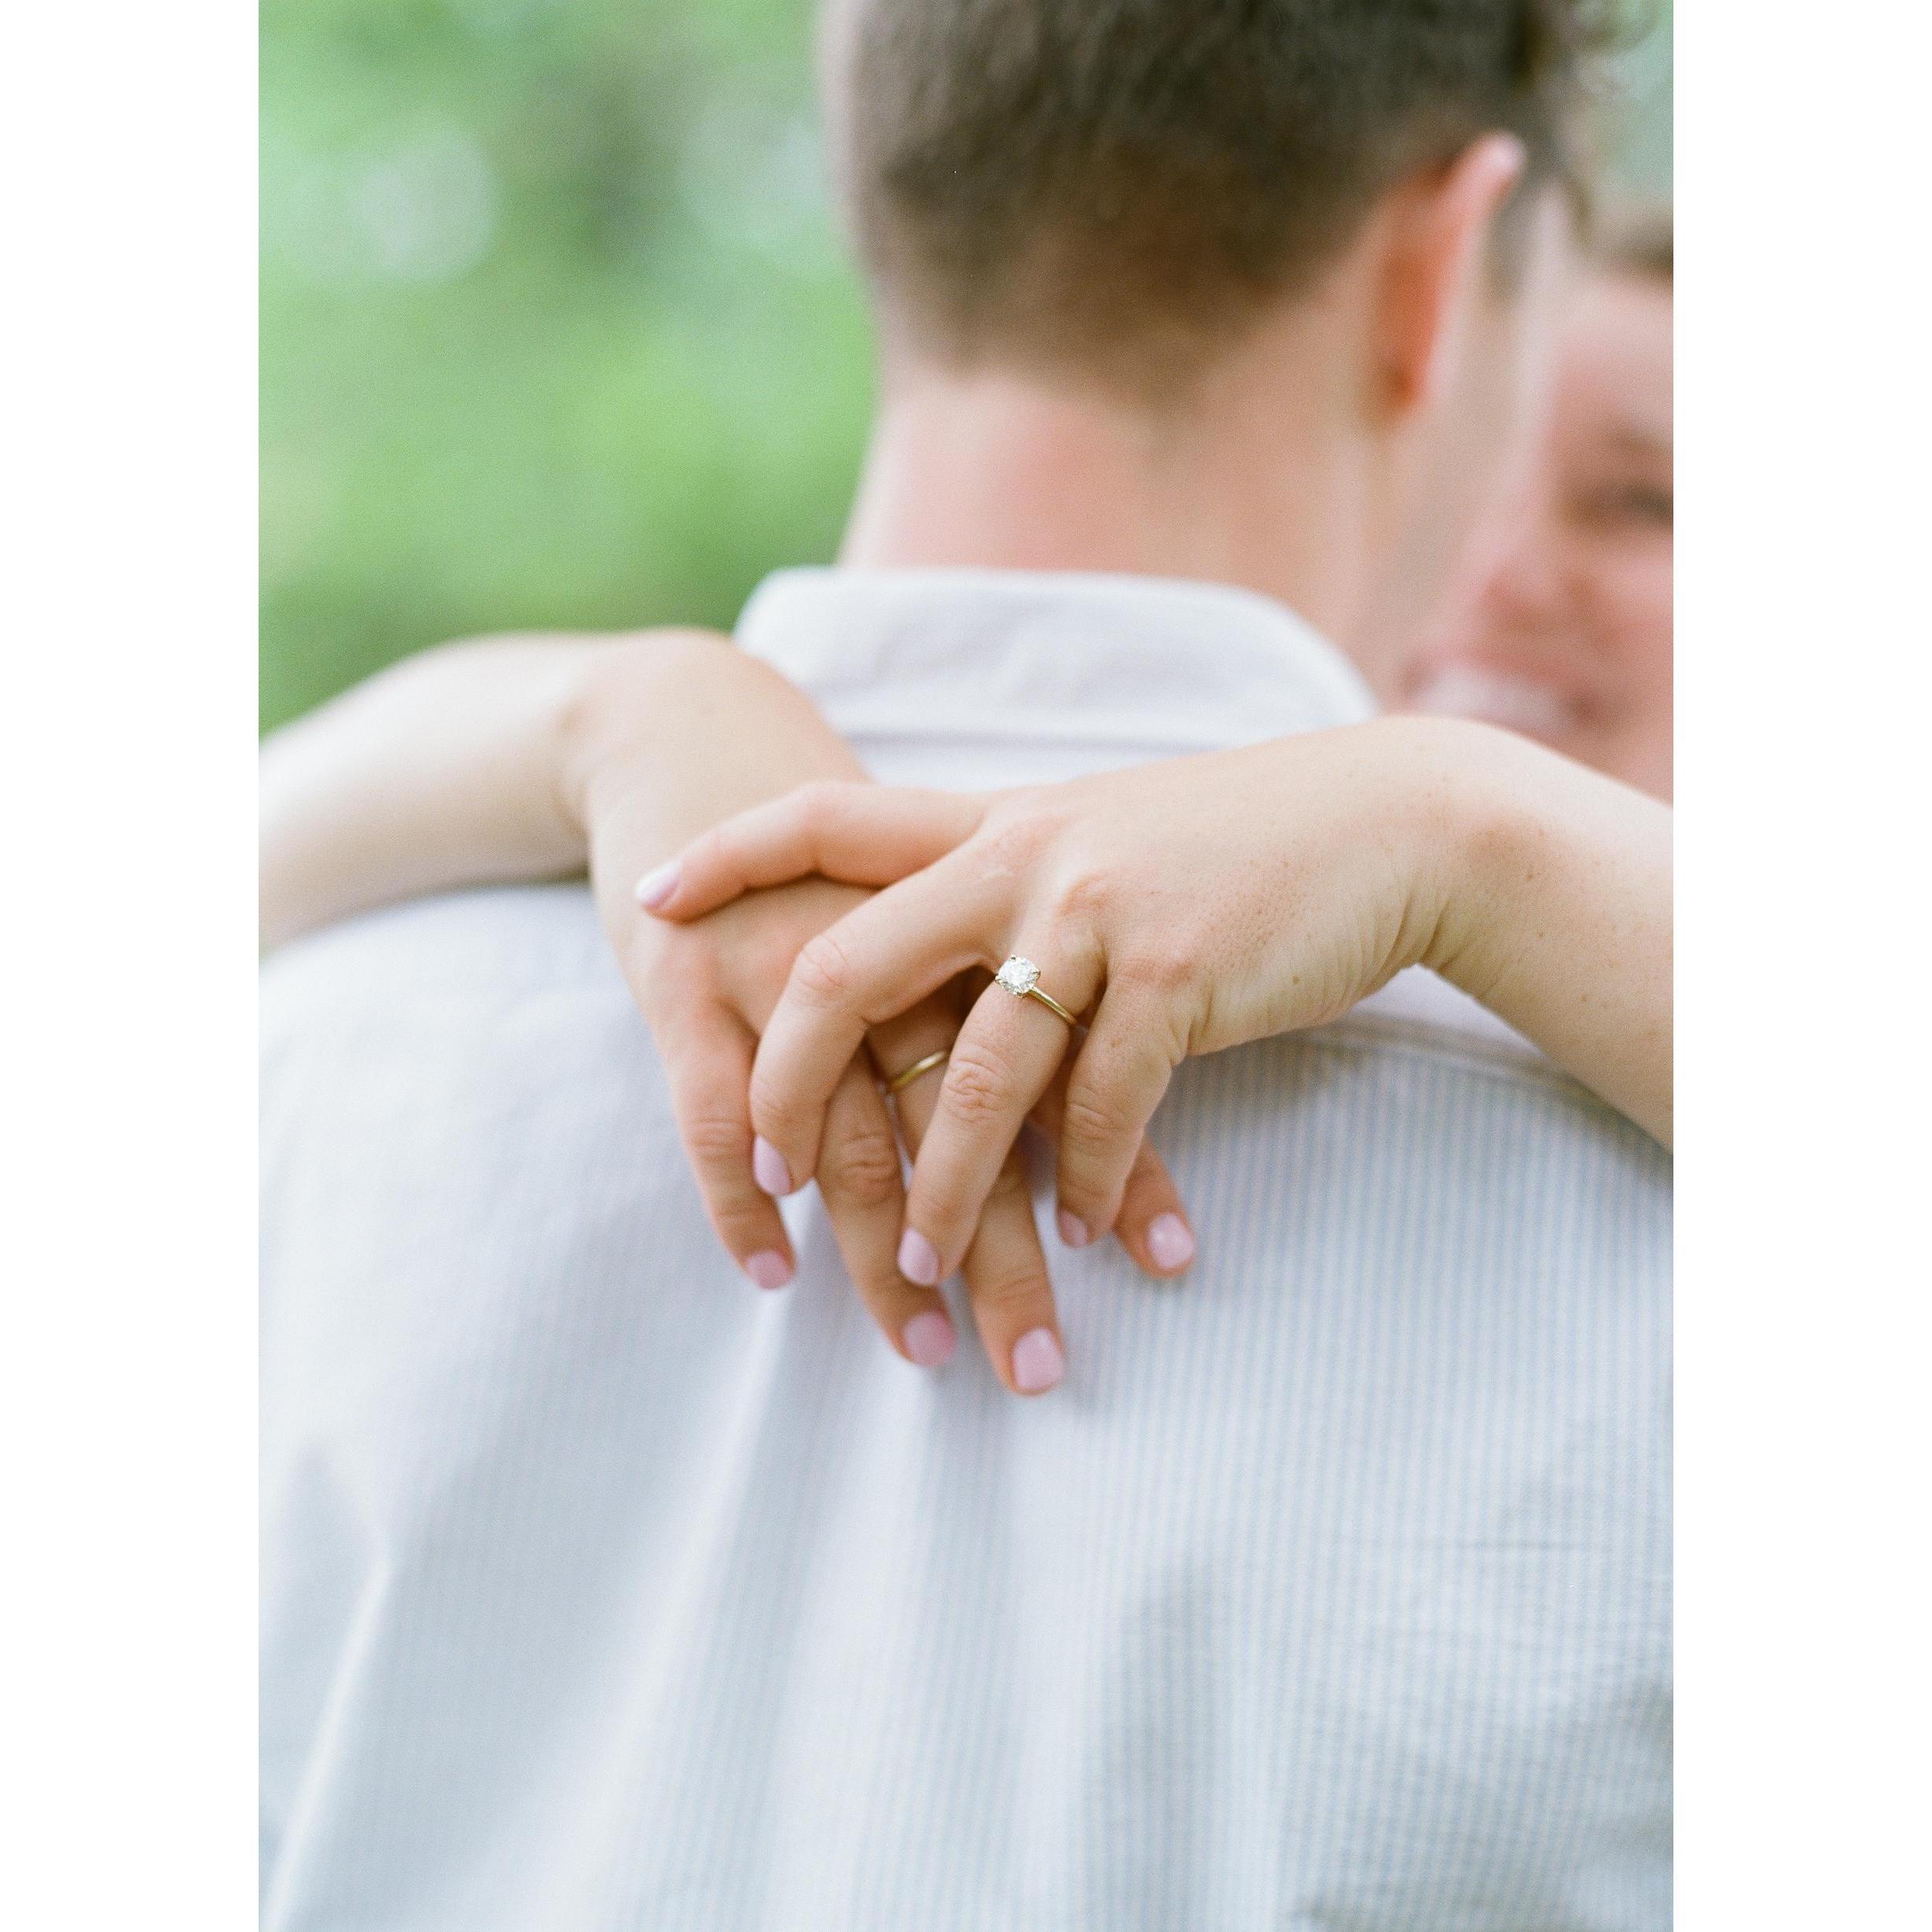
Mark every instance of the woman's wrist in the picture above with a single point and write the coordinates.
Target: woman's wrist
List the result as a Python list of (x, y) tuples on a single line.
[(1556, 911), (1431, 813), (670, 732), (618, 704), (439, 772), (1475, 792)]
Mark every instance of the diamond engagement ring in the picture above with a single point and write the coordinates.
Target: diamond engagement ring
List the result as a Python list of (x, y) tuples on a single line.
[(1021, 977)]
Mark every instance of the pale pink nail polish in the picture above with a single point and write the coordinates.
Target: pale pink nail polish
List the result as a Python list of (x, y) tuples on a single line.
[(919, 1260), (768, 1167), (930, 1340), (657, 886), (1169, 1242), (769, 1268), (1037, 1363), (1073, 1230)]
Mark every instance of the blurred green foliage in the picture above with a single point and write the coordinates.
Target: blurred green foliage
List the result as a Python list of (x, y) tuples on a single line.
[(557, 330)]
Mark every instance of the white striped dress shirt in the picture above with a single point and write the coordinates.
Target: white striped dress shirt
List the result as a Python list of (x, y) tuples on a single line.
[(1331, 1590)]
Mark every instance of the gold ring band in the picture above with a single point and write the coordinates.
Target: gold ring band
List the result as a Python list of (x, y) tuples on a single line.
[(1021, 977), (1047, 999), (899, 1082)]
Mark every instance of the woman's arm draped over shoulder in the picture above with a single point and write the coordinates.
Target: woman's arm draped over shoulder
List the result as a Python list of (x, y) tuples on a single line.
[(441, 771), (1560, 918), (1192, 904), (520, 758)]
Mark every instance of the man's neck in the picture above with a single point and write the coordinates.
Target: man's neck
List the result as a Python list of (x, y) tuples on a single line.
[(998, 472)]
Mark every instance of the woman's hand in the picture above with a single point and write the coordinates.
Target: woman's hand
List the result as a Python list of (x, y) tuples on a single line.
[(1186, 906), (665, 739)]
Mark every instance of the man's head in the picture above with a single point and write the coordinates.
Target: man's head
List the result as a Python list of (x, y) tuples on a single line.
[(1121, 185), (1131, 198)]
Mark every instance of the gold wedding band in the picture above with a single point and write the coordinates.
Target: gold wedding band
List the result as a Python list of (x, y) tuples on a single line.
[(901, 1080), (1021, 977)]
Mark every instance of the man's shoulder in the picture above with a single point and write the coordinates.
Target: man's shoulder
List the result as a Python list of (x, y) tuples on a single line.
[(1420, 1107), (472, 997), (435, 1036), (494, 942)]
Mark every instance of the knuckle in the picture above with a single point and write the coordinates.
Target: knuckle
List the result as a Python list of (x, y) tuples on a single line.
[(815, 798), (1093, 1117), (947, 1203), (715, 1139), (774, 1112), (979, 1089), (862, 1168), (944, 1207), (1003, 1286), (740, 1225), (823, 971), (1084, 897), (718, 857), (1013, 840), (1163, 971)]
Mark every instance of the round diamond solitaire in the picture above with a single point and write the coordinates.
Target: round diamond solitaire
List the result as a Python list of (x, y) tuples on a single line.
[(1018, 976), (1021, 977)]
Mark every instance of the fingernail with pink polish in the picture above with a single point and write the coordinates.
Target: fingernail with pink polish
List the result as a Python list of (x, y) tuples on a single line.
[(1037, 1363), (919, 1260), (769, 1268), (655, 887), (1073, 1230), (930, 1340), (768, 1167), (1169, 1242)]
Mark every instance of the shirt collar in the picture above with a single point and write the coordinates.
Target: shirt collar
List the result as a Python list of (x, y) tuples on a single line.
[(1150, 665)]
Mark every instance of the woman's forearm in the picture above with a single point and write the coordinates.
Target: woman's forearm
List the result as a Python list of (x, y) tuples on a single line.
[(440, 772), (1560, 917), (483, 763)]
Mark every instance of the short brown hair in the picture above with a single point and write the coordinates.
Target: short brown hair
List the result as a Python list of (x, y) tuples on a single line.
[(1119, 183)]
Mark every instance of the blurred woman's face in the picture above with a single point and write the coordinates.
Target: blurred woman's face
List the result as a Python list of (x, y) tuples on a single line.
[(1563, 629)]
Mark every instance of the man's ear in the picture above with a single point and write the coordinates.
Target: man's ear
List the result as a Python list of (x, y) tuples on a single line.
[(1437, 253)]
